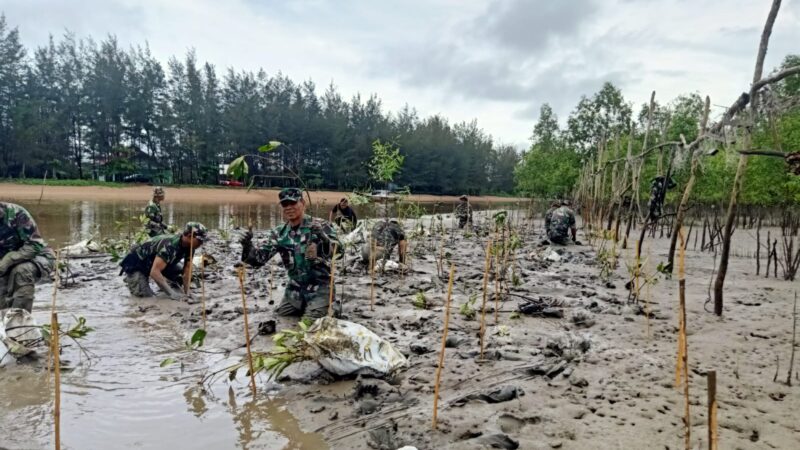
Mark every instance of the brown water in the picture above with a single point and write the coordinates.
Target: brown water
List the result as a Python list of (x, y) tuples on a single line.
[(64, 222)]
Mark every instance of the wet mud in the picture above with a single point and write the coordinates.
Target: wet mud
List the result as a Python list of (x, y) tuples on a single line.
[(576, 367)]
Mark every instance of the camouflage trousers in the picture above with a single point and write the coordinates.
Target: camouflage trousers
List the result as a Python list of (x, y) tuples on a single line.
[(155, 228), (310, 301), (462, 221), (558, 238), (380, 253), (17, 286), (139, 284)]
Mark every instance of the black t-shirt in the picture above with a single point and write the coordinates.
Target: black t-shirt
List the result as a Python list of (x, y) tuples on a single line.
[(347, 212)]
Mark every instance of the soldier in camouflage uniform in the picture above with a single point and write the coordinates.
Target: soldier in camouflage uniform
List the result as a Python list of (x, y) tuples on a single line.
[(165, 259), (306, 247), (562, 223), (658, 192), (155, 225), (463, 212), (24, 257), (387, 234)]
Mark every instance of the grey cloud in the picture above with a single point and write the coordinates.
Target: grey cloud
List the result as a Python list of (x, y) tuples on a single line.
[(529, 26), (96, 18)]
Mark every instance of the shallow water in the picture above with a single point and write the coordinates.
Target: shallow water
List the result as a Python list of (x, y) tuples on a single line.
[(64, 222), (122, 398)]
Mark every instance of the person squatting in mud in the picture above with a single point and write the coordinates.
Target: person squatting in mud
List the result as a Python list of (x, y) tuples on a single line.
[(306, 247), (387, 234), (25, 258), (165, 259), (562, 225), (343, 215), (548, 216), (155, 221), (463, 212)]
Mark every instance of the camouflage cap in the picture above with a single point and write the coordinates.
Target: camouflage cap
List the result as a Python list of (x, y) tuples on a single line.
[(196, 229), (463, 197), (158, 191), (290, 194)]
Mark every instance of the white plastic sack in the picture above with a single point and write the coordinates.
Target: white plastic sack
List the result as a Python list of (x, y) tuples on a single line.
[(17, 327), (553, 256), (357, 236), (81, 248), (345, 348)]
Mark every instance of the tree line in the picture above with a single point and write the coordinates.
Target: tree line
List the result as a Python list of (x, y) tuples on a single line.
[(603, 126), (77, 108)]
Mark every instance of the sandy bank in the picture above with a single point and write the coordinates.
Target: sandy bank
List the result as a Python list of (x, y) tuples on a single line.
[(11, 191)]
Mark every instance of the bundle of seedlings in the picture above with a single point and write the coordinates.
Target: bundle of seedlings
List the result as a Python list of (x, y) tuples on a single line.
[(340, 347)]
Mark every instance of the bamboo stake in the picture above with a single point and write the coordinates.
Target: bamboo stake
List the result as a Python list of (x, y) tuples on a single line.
[(57, 369), (203, 289), (711, 376), (794, 339), (485, 286), (333, 276), (444, 342), (188, 283), (496, 288), (247, 332), (372, 274), (56, 281), (682, 369)]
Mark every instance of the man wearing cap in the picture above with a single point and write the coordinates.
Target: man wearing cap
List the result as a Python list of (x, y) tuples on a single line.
[(306, 246), (463, 212), (155, 221), (24, 257), (386, 234), (166, 259)]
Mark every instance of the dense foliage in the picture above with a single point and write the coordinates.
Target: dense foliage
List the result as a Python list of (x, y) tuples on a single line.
[(552, 166), (85, 109)]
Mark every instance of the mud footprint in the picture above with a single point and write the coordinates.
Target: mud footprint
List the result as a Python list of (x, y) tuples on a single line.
[(510, 423)]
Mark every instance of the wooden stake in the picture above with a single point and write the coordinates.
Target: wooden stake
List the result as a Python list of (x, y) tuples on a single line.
[(188, 283), (444, 342), (794, 340), (682, 368), (372, 255), (333, 276), (711, 376), (247, 333), (203, 289), (496, 288), (485, 283), (54, 350)]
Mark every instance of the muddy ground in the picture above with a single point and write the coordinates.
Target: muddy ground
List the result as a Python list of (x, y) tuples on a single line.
[(600, 376)]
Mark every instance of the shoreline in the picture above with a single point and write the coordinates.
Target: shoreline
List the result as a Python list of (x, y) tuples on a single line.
[(13, 191)]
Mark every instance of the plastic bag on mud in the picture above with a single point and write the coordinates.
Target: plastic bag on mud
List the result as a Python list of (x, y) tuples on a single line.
[(81, 248), (345, 348), (17, 328)]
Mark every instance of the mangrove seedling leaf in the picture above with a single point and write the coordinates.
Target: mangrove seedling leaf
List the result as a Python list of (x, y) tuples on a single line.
[(232, 374), (238, 168), (198, 337), (270, 146), (168, 361)]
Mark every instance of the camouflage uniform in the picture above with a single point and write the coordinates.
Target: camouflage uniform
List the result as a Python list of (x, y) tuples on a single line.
[(387, 234), (548, 218), (308, 291), (137, 264), (658, 192), (463, 213), (24, 257), (155, 225), (561, 222)]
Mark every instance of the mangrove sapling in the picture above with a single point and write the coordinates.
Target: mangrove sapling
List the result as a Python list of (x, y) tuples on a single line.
[(466, 309), (420, 301), (444, 342), (794, 341), (486, 269), (247, 330)]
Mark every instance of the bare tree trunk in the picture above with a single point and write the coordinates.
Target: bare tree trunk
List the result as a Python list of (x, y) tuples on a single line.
[(687, 191), (737, 182)]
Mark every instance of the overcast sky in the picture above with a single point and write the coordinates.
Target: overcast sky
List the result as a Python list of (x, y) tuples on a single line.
[(496, 61)]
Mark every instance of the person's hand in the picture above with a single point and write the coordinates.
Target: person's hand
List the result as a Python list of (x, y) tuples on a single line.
[(177, 295), (311, 251)]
